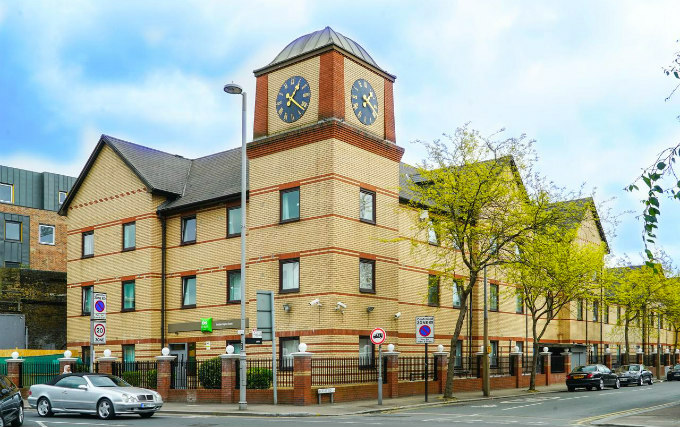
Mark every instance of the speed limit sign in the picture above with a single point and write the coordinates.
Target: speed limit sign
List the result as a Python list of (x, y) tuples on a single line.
[(99, 332), (378, 336)]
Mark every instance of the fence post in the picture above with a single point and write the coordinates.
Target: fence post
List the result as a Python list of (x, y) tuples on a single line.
[(567, 361), (229, 366), (106, 363), (607, 359), (67, 360), (546, 364), (164, 367), (516, 363), (302, 376), (14, 369), (441, 365), (392, 367)]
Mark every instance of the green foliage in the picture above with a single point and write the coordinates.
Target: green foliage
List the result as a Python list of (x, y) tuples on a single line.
[(136, 378), (210, 373), (260, 378)]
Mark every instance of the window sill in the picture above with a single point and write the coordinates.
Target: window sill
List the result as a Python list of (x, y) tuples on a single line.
[(367, 221), (87, 256), (129, 249), (85, 314), (367, 291), (286, 221), (432, 304), (232, 302), (231, 236), (190, 242), (289, 291), (495, 310), (189, 306), (47, 244), (126, 310)]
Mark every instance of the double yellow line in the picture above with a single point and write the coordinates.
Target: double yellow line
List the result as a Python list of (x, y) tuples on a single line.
[(623, 413)]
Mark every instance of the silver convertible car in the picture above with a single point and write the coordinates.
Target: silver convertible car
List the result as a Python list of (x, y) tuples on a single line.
[(100, 394)]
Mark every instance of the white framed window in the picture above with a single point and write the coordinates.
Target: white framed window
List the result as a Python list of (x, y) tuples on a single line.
[(62, 197), (289, 275), (6, 193), (46, 234)]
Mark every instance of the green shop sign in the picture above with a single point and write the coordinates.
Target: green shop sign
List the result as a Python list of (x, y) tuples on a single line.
[(206, 325)]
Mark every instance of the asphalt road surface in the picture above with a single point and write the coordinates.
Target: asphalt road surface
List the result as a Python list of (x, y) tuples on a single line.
[(551, 409)]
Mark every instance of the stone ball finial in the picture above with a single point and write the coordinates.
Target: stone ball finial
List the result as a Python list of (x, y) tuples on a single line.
[(15, 355), (515, 349), (440, 348), (390, 347), (68, 354), (165, 351), (607, 350), (545, 349), (107, 353), (302, 347), (230, 349)]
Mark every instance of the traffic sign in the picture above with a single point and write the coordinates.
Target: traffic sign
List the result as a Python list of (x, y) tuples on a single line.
[(378, 336), (99, 305), (257, 334), (99, 332), (425, 330)]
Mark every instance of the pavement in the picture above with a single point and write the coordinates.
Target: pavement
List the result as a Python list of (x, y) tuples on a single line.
[(347, 408), (663, 416)]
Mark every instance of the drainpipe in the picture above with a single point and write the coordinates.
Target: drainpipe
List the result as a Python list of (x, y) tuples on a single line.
[(163, 250)]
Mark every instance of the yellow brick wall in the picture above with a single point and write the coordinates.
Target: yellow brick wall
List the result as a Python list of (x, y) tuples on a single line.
[(353, 72), (309, 69)]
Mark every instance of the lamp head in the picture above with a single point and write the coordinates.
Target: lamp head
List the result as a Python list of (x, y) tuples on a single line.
[(233, 89)]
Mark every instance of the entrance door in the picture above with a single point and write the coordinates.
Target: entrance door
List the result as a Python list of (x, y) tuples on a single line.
[(578, 356), (179, 370)]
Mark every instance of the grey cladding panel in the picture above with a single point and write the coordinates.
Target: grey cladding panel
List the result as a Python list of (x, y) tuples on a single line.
[(11, 251)]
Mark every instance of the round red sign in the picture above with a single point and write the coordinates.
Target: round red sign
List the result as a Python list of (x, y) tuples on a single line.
[(378, 336)]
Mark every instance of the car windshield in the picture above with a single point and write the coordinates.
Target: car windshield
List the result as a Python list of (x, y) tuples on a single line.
[(677, 367), (107, 381), (587, 368), (627, 368)]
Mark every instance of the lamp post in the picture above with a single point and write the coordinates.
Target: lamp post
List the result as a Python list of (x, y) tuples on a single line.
[(234, 89), (486, 389)]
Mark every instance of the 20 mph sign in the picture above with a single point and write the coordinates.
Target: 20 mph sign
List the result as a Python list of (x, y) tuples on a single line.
[(99, 332), (378, 336)]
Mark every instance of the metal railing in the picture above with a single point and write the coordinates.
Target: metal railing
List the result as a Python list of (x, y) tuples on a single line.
[(345, 370), (412, 368), (499, 366), (465, 367), (3, 368), (194, 374), (259, 374), (138, 374), (37, 373)]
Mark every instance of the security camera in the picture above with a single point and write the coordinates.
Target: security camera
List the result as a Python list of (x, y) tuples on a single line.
[(397, 315), (315, 302), (340, 305)]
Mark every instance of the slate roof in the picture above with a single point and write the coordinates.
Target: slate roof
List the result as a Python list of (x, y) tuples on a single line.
[(318, 41)]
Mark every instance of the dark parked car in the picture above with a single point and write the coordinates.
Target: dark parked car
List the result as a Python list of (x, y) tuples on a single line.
[(673, 373), (592, 377), (634, 374), (11, 404)]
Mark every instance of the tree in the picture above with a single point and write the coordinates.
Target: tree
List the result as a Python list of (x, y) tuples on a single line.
[(478, 205), (553, 268)]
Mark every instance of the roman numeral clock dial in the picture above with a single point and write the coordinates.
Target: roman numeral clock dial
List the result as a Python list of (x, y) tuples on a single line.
[(293, 99), (364, 102)]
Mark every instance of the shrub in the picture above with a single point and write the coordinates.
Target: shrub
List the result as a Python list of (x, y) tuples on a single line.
[(260, 378), (134, 378), (152, 378), (210, 373)]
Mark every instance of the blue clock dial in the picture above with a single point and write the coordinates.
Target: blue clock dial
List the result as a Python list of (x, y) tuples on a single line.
[(364, 102), (293, 99)]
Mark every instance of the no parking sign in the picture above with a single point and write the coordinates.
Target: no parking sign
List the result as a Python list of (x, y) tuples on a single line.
[(425, 330)]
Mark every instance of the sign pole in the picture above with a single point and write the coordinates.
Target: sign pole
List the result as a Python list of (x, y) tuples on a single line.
[(426, 372), (276, 400), (380, 375)]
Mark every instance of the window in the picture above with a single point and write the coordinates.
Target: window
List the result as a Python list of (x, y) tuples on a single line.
[(85, 354), (579, 309), (605, 314), (457, 292), (13, 230), (234, 286), (458, 362), (46, 233), (88, 244), (366, 275), (288, 346), (493, 297), (128, 353), (289, 275), (70, 382), (366, 352), (189, 292), (519, 302), (188, 230), (129, 236), (129, 295), (493, 361), (618, 315), (290, 205), (6, 193), (433, 290), (432, 237), (62, 197), (234, 222), (87, 300), (10, 264), (367, 206), (596, 309)]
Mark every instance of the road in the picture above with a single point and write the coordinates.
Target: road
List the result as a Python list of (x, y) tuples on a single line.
[(552, 409)]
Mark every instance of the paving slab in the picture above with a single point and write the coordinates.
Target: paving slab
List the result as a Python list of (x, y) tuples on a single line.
[(667, 416)]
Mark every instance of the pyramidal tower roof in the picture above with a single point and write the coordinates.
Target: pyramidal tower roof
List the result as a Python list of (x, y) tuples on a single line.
[(319, 41)]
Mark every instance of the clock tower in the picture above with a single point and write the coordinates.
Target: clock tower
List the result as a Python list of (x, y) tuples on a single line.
[(324, 189)]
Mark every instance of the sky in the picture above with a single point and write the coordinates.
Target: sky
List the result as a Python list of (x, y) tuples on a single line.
[(582, 78)]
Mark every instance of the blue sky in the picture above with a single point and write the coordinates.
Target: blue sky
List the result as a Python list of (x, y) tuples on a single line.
[(583, 78)]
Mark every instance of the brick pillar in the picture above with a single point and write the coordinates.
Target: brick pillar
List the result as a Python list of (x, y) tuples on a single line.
[(441, 365), (654, 359), (392, 358), (106, 365), (608, 360), (546, 366), (229, 367), (14, 371), (516, 361), (638, 358), (63, 361), (302, 378), (163, 375), (567, 362)]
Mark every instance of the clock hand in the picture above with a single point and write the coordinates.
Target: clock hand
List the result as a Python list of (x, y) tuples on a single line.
[(290, 99), (366, 99)]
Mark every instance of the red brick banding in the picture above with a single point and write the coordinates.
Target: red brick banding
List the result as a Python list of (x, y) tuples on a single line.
[(261, 121), (331, 85)]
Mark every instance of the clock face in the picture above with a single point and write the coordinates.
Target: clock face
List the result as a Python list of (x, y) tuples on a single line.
[(364, 102), (293, 99)]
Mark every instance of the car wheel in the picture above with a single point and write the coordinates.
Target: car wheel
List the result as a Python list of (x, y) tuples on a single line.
[(147, 415), (589, 387), (651, 380), (571, 389), (44, 407), (105, 410), (639, 381), (669, 378), (600, 386), (617, 384), (19, 420)]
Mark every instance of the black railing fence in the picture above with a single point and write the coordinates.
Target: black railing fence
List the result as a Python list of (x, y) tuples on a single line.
[(345, 370), (466, 367), (193, 374), (37, 373), (138, 374), (412, 368), (260, 375), (3, 369)]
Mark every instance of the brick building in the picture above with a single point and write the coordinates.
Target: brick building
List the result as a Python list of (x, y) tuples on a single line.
[(33, 239), (159, 233)]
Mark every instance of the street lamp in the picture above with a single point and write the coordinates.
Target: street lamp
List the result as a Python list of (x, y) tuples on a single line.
[(234, 89)]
